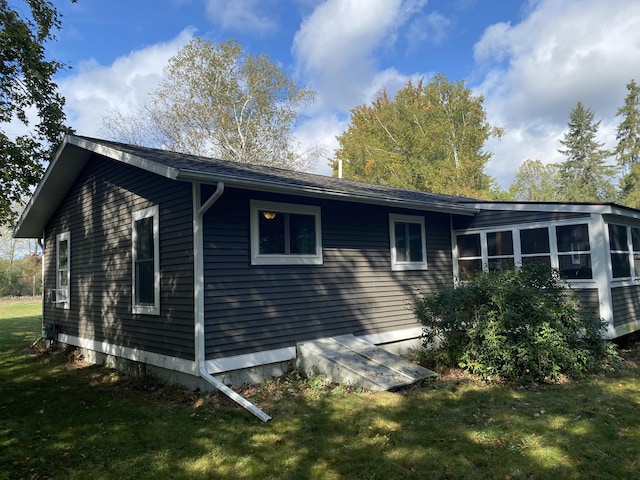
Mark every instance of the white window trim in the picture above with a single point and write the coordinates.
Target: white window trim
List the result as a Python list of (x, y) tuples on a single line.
[(62, 294), (284, 259), (633, 278), (136, 216), (400, 265), (518, 256)]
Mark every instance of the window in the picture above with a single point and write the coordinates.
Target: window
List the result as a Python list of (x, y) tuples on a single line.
[(635, 245), (146, 261), (624, 248), (408, 242), (534, 246), (574, 255), (566, 247), (500, 251), (619, 248), (63, 270), (284, 234), (469, 255)]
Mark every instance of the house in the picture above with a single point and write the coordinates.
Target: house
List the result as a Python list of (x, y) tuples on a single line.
[(199, 267)]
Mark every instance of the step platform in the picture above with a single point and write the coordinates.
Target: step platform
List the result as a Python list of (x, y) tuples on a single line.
[(348, 359)]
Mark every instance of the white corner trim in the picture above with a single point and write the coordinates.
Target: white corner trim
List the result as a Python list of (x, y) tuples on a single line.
[(137, 355)]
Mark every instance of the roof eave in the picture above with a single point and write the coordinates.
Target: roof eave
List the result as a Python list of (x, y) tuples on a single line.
[(317, 192), (67, 163)]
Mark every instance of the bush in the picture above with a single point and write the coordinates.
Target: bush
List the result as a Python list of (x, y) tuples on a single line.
[(518, 324)]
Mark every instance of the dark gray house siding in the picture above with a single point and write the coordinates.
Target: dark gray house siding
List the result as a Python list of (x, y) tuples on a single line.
[(496, 218), (588, 300), (97, 213), (626, 304), (353, 291)]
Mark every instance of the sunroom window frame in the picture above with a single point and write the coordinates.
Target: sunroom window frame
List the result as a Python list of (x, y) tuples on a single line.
[(516, 230)]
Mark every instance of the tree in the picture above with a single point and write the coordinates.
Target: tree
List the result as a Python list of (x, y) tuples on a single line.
[(584, 176), (429, 137), (26, 85), (535, 182), (217, 100), (628, 148)]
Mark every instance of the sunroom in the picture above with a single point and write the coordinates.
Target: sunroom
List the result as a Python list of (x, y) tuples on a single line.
[(595, 247)]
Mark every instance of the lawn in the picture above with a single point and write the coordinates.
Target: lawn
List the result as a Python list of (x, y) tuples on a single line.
[(61, 418)]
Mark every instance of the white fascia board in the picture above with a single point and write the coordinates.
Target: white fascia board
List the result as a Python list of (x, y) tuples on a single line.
[(599, 208), (127, 158), (67, 163), (57, 179), (315, 192)]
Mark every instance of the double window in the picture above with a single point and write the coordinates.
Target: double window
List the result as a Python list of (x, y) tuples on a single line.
[(146, 261), (565, 247), (283, 233), (63, 269), (408, 244)]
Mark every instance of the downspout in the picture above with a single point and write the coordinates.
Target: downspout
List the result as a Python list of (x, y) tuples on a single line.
[(43, 295), (199, 210)]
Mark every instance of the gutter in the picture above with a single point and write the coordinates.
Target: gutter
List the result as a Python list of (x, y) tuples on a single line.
[(199, 210), (317, 192)]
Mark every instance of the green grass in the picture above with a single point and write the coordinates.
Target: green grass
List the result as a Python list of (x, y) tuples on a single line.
[(64, 419)]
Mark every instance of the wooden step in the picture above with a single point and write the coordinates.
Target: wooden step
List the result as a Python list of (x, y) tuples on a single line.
[(348, 359)]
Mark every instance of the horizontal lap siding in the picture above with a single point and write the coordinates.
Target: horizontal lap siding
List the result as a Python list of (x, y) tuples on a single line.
[(588, 300), (253, 308), (626, 304), (97, 211)]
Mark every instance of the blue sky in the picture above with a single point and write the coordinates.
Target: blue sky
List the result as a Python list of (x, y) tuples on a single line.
[(532, 60)]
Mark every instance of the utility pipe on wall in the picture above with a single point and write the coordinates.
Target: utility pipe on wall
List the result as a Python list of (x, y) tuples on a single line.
[(199, 210)]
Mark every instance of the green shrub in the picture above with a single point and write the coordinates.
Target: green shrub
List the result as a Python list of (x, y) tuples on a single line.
[(517, 324)]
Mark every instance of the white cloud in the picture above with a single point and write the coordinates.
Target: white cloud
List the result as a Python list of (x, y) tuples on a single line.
[(243, 15), (93, 90), (563, 51), (431, 28), (335, 46)]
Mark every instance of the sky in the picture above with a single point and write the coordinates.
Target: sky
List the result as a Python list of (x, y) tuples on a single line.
[(532, 60)]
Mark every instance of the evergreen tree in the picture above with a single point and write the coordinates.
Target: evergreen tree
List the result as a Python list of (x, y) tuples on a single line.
[(584, 175), (628, 147), (628, 136)]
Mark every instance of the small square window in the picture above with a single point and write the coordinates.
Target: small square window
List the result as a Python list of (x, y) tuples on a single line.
[(284, 233), (408, 242)]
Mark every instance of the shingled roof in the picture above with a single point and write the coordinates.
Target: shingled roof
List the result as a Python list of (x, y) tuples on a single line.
[(75, 151)]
